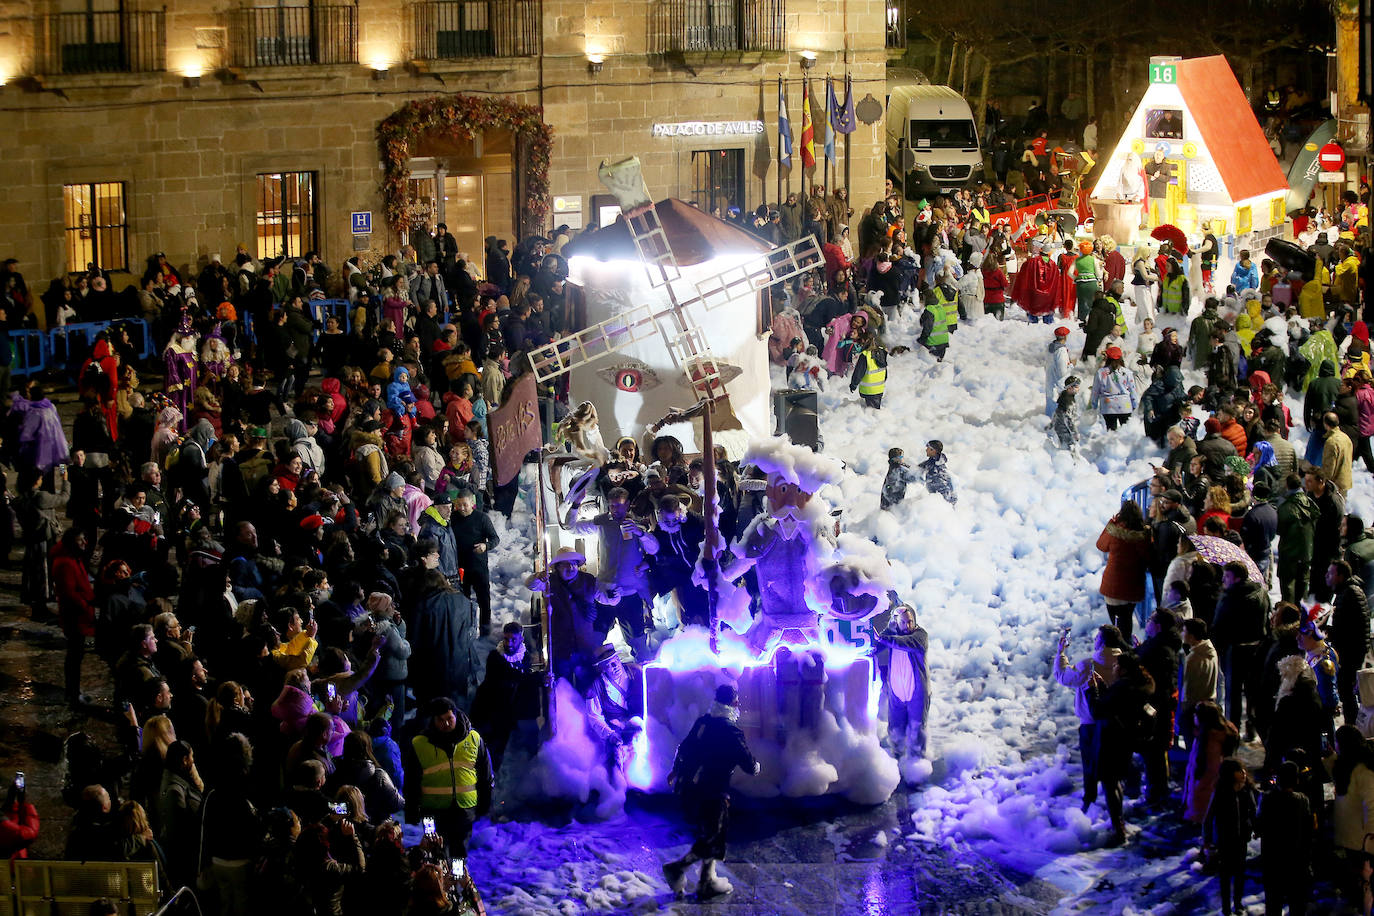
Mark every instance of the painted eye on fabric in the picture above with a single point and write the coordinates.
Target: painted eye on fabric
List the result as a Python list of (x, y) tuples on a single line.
[(630, 375)]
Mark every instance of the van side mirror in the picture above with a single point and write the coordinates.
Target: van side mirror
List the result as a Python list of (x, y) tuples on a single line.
[(908, 159)]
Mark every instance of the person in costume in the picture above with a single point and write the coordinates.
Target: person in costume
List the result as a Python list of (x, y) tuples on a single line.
[(100, 379), (180, 360), (1036, 288), (42, 444)]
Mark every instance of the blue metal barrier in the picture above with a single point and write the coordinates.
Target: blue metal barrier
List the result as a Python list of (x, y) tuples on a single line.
[(30, 351), (1140, 495), (60, 349), (141, 336)]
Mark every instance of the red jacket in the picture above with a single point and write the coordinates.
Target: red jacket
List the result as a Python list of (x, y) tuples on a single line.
[(994, 285), (1128, 556), (75, 596), (18, 829)]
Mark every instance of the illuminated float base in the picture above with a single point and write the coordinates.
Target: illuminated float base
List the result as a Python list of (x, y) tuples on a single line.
[(810, 714)]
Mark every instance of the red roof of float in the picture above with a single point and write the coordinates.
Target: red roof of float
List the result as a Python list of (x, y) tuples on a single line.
[(695, 237), (1228, 126)]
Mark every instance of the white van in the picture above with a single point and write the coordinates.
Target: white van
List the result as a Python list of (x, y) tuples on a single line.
[(932, 139)]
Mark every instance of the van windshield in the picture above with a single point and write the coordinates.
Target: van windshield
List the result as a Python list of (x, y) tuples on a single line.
[(944, 135)]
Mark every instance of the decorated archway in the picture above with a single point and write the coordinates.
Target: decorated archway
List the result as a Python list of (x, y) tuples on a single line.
[(464, 116)]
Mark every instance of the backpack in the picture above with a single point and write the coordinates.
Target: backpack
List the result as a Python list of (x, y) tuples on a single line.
[(173, 455)]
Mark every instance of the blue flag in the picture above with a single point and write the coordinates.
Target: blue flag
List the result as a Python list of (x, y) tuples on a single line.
[(784, 129), (842, 116), (830, 119)]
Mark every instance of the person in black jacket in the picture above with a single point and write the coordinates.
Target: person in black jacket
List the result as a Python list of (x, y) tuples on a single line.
[(1227, 828), (1259, 527), (679, 536), (1100, 322), (1286, 829), (496, 707), (1121, 715), (1238, 631), (1348, 631), (1159, 655), (701, 778), (1171, 522), (475, 535), (1326, 536)]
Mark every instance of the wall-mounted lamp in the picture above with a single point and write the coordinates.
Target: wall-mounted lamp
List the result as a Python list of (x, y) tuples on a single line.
[(380, 69), (594, 62), (191, 76), (808, 59)]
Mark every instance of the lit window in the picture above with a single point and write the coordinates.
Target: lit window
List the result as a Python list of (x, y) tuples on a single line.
[(97, 229), (286, 214)]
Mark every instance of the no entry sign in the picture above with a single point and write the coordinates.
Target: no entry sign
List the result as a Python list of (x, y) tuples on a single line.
[(1331, 157)]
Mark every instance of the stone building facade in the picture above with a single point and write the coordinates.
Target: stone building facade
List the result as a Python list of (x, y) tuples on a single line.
[(197, 127)]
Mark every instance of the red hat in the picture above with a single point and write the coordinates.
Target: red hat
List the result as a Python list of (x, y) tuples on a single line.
[(1113, 353), (1213, 425), (1061, 331), (313, 522)]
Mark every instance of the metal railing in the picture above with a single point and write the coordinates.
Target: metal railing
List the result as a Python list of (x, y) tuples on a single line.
[(896, 23), (295, 36), (677, 26), (110, 42), (462, 29)]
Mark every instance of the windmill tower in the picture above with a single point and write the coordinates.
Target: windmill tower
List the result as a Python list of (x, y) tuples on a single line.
[(672, 317)]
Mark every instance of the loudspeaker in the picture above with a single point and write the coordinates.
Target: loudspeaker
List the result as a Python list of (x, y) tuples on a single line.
[(794, 416)]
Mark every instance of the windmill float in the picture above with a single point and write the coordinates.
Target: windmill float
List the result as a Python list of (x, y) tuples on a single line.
[(686, 291)]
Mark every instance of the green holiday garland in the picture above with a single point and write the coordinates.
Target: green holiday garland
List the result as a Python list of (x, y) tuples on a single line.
[(463, 116)]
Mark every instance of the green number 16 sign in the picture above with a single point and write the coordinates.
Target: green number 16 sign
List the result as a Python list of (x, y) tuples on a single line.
[(1163, 73)]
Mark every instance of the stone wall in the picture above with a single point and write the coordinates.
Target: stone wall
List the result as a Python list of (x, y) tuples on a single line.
[(189, 154)]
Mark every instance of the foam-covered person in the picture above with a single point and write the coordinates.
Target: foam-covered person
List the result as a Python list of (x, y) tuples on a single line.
[(908, 684)]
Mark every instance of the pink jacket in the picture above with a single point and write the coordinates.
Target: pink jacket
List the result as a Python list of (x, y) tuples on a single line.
[(839, 330), (1364, 396)]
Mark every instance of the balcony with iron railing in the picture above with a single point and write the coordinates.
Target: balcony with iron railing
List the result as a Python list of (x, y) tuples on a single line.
[(294, 36), (127, 41), (466, 29), (719, 26)]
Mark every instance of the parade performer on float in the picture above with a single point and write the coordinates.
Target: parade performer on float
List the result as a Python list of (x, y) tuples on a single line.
[(787, 545)]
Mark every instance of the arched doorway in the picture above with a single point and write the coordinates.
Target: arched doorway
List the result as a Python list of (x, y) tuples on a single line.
[(467, 183), (462, 127)]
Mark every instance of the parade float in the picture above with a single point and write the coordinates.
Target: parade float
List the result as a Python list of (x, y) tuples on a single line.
[(1196, 125), (675, 338)]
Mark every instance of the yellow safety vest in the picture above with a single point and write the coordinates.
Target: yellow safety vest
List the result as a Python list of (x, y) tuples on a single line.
[(1173, 294), (446, 781), (874, 377)]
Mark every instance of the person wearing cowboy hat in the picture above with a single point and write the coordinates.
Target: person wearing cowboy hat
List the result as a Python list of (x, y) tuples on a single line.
[(615, 705), (700, 776), (574, 637)]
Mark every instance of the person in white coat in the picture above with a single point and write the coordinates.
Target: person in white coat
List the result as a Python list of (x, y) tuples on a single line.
[(1142, 280), (1056, 368), (1114, 389), (1200, 673), (971, 290), (1352, 814)]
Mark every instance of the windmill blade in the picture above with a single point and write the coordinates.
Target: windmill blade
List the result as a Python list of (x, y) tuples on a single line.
[(745, 279), (596, 342)]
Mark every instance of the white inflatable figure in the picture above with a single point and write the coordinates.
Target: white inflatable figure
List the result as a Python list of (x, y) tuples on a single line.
[(580, 430), (1130, 185), (788, 544), (625, 180)]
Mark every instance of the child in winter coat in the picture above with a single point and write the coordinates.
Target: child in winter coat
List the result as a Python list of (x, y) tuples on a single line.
[(937, 474), (1227, 829), (1064, 425), (804, 367), (899, 475)]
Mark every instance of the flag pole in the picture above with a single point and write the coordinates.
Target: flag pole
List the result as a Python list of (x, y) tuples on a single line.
[(848, 94), (828, 129), (782, 109)]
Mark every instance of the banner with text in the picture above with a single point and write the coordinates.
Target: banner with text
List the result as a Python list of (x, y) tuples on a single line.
[(514, 429)]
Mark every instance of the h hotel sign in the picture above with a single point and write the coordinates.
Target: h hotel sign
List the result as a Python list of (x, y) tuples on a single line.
[(709, 129)]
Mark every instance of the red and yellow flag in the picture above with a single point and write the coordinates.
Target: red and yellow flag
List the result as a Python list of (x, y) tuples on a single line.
[(808, 130)]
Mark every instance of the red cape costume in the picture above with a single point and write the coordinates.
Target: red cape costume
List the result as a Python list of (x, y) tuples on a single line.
[(1068, 296), (104, 355), (1037, 286)]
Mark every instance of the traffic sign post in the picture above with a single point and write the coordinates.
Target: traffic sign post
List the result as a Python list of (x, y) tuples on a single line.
[(1331, 157)]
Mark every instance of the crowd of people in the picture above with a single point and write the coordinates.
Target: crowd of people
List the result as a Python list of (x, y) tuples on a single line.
[(282, 550)]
